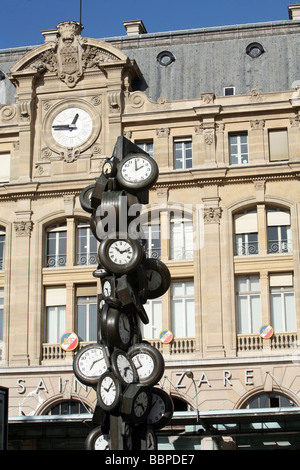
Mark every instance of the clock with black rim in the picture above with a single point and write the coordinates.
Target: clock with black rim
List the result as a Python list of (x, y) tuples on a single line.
[(137, 171), (109, 391), (120, 253), (85, 198), (89, 363), (123, 367), (148, 361), (158, 277), (162, 409), (136, 403), (97, 440), (116, 328)]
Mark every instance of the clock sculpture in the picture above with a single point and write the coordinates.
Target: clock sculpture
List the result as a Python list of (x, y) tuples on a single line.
[(123, 368)]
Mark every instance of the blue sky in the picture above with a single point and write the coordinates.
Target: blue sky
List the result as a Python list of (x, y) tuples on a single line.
[(23, 20)]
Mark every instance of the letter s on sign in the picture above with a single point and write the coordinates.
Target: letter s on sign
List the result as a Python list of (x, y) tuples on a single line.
[(23, 388)]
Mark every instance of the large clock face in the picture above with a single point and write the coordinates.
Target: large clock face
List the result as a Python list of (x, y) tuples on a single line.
[(72, 127)]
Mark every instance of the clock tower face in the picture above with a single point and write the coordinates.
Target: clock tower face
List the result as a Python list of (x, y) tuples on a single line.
[(72, 127)]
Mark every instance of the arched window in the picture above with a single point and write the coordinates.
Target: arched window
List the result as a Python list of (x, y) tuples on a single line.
[(56, 246), (68, 407), (269, 400)]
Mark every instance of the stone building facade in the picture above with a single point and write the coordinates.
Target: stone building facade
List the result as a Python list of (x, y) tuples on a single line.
[(218, 109)]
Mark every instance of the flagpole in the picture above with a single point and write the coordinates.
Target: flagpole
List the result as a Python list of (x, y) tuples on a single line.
[(80, 20)]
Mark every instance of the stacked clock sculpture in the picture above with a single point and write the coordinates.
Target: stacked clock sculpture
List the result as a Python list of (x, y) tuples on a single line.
[(124, 369)]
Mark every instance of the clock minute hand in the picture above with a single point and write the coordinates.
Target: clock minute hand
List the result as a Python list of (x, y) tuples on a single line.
[(73, 123)]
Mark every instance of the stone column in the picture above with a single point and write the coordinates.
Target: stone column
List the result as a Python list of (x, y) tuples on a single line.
[(211, 282), (20, 281)]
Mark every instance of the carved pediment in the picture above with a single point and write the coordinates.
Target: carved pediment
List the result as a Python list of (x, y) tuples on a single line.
[(69, 55)]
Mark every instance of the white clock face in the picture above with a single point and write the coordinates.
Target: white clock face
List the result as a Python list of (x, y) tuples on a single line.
[(72, 127), (120, 252), (107, 288), (108, 390), (92, 363), (144, 365), (125, 368), (102, 442), (136, 169)]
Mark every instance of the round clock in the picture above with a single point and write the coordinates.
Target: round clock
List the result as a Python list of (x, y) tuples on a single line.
[(85, 198), (135, 403), (123, 367), (137, 171), (97, 440), (72, 127), (109, 167), (89, 363), (158, 277), (115, 328), (148, 439), (148, 361), (161, 409), (108, 392), (119, 254)]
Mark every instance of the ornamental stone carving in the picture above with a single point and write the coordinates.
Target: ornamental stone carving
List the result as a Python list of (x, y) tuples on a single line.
[(212, 215), (23, 229)]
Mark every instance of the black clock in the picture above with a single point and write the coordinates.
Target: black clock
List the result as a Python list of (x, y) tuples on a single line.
[(109, 391), (85, 198), (148, 362), (109, 291), (158, 277), (123, 367), (137, 172), (148, 439), (162, 409), (136, 403), (97, 440), (99, 188), (89, 363), (127, 294), (120, 253), (109, 167), (116, 328)]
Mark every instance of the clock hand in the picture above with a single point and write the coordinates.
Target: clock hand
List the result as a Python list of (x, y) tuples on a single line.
[(61, 127), (97, 360), (72, 125)]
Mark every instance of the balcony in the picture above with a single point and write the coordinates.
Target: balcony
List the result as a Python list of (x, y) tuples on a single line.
[(277, 343)]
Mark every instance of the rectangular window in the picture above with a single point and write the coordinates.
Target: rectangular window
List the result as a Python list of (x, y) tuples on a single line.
[(152, 235), (279, 231), (56, 255), (278, 145), (55, 302), (1, 314), (282, 299), (181, 237), (248, 304), (183, 309), (229, 91), (86, 245), (183, 155), (238, 149), (86, 300), (153, 308), (2, 246), (4, 167), (147, 146)]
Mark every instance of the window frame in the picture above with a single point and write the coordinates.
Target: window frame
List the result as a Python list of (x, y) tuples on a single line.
[(60, 259), (186, 329), (184, 159), (239, 154)]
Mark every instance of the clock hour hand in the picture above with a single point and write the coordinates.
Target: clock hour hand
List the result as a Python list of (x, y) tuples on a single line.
[(61, 127)]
